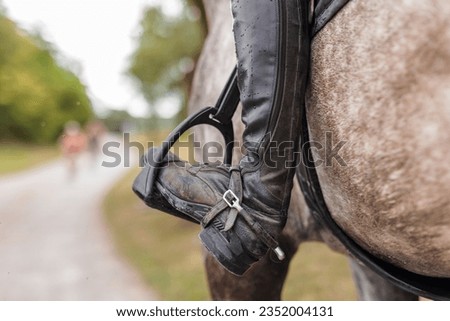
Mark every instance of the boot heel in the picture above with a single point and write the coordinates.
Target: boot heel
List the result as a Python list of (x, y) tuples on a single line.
[(229, 252)]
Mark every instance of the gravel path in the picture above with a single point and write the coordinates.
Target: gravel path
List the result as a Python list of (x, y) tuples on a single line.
[(54, 242)]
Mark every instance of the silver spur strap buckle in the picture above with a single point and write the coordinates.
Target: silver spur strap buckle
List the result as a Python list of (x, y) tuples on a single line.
[(232, 200)]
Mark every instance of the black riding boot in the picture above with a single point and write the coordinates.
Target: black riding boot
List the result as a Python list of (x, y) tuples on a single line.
[(243, 209)]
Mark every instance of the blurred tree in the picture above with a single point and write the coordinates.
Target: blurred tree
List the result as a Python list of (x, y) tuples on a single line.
[(118, 120), (37, 96), (168, 49)]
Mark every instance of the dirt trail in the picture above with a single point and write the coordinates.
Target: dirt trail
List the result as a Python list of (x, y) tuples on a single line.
[(54, 242)]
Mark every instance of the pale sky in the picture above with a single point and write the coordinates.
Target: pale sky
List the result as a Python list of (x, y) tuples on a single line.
[(100, 35)]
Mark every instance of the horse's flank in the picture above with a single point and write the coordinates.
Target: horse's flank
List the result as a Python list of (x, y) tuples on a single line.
[(380, 81)]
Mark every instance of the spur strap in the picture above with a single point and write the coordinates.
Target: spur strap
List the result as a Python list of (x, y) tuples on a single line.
[(232, 200)]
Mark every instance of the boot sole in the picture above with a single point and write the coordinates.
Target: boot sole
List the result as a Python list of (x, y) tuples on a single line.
[(228, 252)]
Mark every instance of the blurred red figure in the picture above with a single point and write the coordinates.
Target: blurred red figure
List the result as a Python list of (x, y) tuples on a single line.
[(73, 143), (95, 131)]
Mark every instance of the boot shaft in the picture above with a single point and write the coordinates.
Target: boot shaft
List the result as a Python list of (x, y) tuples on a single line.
[(272, 47)]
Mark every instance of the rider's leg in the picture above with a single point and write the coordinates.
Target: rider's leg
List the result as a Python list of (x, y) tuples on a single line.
[(272, 45)]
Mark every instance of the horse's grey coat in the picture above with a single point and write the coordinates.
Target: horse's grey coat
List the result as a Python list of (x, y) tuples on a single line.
[(379, 81)]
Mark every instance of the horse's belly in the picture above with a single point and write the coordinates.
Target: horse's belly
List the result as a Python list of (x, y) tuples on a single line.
[(382, 85)]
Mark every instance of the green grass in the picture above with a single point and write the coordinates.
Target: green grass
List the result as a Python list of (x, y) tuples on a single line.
[(17, 157), (317, 273), (167, 252)]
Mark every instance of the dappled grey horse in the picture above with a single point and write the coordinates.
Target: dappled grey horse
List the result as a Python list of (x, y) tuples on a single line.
[(380, 74)]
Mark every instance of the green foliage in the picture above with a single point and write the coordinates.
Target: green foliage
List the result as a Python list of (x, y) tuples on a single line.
[(168, 48), (37, 96), (117, 120)]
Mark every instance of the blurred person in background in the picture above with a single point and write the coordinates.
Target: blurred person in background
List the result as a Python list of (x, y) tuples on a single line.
[(73, 143), (95, 131)]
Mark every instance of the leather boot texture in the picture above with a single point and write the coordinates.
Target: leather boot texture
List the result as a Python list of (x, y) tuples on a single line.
[(243, 209)]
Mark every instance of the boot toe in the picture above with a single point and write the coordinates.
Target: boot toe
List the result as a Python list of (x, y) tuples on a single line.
[(179, 188)]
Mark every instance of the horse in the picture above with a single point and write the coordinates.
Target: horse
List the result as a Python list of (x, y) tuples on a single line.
[(378, 82)]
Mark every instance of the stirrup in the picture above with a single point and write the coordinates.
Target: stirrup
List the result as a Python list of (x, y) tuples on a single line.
[(218, 116)]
